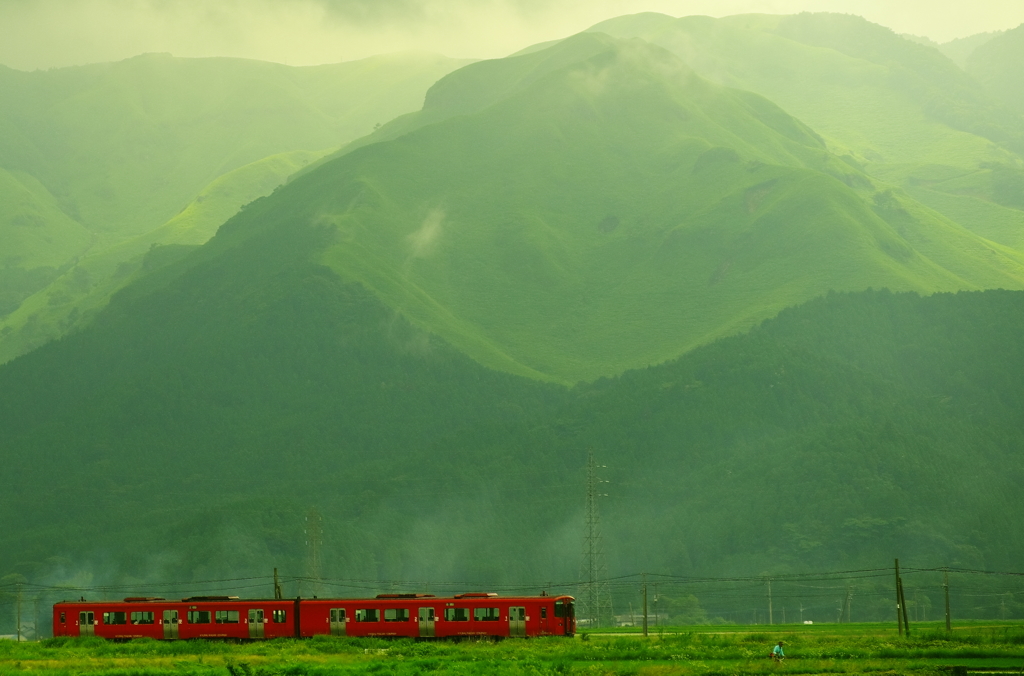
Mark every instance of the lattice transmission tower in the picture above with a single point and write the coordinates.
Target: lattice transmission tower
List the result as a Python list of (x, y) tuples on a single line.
[(594, 599)]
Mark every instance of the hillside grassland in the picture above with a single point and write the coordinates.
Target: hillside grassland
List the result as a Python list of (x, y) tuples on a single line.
[(892, 106), (676, 651), (610, 209), (84, 287), (97, 161)]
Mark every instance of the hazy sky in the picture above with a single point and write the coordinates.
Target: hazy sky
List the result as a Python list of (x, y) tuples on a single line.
[(47, 33)]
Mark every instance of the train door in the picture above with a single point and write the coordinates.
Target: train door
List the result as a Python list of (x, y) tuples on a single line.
[(427, 623), (565, 612), (337, 621), (517, 622), (86, 620), (170, 624), (256, 620)]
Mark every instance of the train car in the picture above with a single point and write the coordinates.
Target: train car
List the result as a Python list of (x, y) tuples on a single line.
[(420, 616), (428, 616), (222, 617)]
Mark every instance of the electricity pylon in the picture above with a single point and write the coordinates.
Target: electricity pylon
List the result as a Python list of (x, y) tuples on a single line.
[(594, 599)]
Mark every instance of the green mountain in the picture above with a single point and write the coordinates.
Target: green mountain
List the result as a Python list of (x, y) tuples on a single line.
[(860, 85), (38, 237), (184, 434), (996, 65), (107, 152), (74, 294), (422, 336), (898, 109), (598, 207), (960, 49)]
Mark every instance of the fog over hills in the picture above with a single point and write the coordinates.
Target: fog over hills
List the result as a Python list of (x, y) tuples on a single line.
[(995, 65), (97, 155), (596, 206), (768, 269)]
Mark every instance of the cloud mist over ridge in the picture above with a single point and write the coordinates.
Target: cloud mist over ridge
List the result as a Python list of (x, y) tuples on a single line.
[(53, 33)]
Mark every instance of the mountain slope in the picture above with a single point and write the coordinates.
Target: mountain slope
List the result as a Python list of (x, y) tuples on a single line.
[(960, 49), (38, 239), (894, 107), (881, 97), (222, 395), (120, 148), (76, 293), (615, 212), (996, 65)]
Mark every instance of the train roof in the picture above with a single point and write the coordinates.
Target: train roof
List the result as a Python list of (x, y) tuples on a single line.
[(466, 596)]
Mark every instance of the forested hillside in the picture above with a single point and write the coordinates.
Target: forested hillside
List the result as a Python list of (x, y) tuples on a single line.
[(792, 344), (217, 400)]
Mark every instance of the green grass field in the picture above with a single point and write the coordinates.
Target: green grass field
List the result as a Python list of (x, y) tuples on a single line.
[(817, 649)]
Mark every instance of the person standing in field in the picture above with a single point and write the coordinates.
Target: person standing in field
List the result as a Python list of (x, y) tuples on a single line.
[(777, 653)]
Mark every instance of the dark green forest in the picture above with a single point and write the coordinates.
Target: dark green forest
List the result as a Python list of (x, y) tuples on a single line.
[(185, 434)]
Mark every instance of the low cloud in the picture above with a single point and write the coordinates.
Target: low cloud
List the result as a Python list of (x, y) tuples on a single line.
[(48, 33), (422, 241)]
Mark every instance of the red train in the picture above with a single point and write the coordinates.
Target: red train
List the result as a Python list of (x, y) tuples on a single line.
[(408, 615)]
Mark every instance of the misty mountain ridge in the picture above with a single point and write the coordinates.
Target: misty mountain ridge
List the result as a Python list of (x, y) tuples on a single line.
[(243, 359), (527, 222), (601, 243), (94, 156), (899, 111), (996, 65), (753, 50)]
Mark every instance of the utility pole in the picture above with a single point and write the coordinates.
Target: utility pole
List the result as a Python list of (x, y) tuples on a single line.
[(18, 619), (844, 611), (903, 604), (945, 588), (314, 543), (657, 618), (596, 600), (899, 617), (35, 620), (277, 586), (644, 576), (771, 618)]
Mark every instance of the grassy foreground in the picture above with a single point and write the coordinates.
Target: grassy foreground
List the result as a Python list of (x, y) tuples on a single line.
[(849, 649)]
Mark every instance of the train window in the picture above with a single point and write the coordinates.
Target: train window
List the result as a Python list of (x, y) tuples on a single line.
[(115, 618), (142, 617), (280, 616), (559, 608), (368, 615), (199, 617), (456, 614), (487, 614), (337, 614), (62, 618), (543, 612), (226, 617), (396, 614)]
